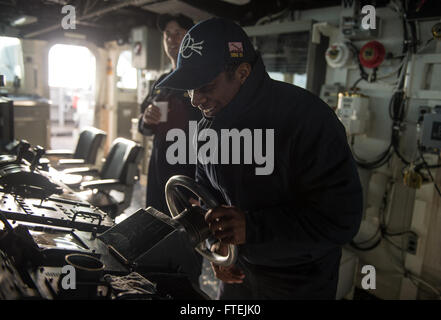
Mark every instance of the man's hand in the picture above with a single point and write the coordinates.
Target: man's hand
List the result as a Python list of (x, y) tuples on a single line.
[(227, 223), (151, 115), (194, 202), (231, 274)]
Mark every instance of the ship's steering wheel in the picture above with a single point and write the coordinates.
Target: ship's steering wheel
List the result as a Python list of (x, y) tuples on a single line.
[(174, 197)]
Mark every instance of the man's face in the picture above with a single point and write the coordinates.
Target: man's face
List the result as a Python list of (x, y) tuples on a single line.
[(214, 96), (172, 37)]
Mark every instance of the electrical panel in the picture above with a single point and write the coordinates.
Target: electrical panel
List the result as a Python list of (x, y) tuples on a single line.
[(146, 48), (352, 29), (32, 119), (6, 122), (351, 22), (353, 112), (431, 133)]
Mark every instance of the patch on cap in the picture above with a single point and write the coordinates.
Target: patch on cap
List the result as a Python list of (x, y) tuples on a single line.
[(236, 49)]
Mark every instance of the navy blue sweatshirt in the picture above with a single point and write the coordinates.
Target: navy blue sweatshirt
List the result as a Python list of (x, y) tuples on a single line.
[(311, 204)]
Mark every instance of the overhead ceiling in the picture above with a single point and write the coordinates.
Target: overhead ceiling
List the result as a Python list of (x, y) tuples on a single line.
[(104, 20)]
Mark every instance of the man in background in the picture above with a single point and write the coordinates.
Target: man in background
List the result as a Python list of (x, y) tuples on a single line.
[(174, 254)]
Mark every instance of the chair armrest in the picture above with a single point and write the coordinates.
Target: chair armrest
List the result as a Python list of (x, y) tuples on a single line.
[(59, 153), (81, 171), (104, 184), (71, 162), (44, 161)]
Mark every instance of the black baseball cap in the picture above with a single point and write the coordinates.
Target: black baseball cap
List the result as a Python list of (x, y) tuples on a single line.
[(183, 21), (204, 52)]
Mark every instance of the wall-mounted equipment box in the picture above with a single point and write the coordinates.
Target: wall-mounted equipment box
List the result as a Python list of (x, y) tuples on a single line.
[(424, 76), (353, 112), (6, 122), (146, 48), (431, 133), (32, 120)]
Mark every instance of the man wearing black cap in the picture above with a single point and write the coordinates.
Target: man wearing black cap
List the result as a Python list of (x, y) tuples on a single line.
[(180, 112), (290, 224)]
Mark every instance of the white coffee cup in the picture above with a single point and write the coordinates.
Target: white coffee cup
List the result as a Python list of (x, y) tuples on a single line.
[(163, 108)]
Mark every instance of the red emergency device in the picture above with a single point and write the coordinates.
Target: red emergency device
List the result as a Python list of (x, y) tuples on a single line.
[(372, 54)]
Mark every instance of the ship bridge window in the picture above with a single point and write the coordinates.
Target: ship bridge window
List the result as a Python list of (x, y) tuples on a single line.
[(125, 72), (276, 76), (285, 55), (296, 78), (11, 59)]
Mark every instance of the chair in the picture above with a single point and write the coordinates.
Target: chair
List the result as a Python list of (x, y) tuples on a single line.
[(89, 142), (119, 173)]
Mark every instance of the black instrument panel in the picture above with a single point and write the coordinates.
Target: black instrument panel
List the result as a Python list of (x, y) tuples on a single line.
[(55, 211)]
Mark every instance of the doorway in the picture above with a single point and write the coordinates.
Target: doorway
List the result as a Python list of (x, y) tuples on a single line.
[(72, 74)]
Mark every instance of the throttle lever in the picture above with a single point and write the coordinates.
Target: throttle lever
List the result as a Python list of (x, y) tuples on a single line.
[(22, 149), (39, 152)]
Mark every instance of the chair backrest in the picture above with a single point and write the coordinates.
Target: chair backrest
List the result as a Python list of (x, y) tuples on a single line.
[(89, 142), (122, 161)]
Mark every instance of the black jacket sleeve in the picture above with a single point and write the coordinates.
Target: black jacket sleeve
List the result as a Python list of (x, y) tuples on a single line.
[(202, 179), (325, 206)]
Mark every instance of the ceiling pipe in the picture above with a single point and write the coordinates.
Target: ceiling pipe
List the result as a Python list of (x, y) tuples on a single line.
[(95, 14)]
